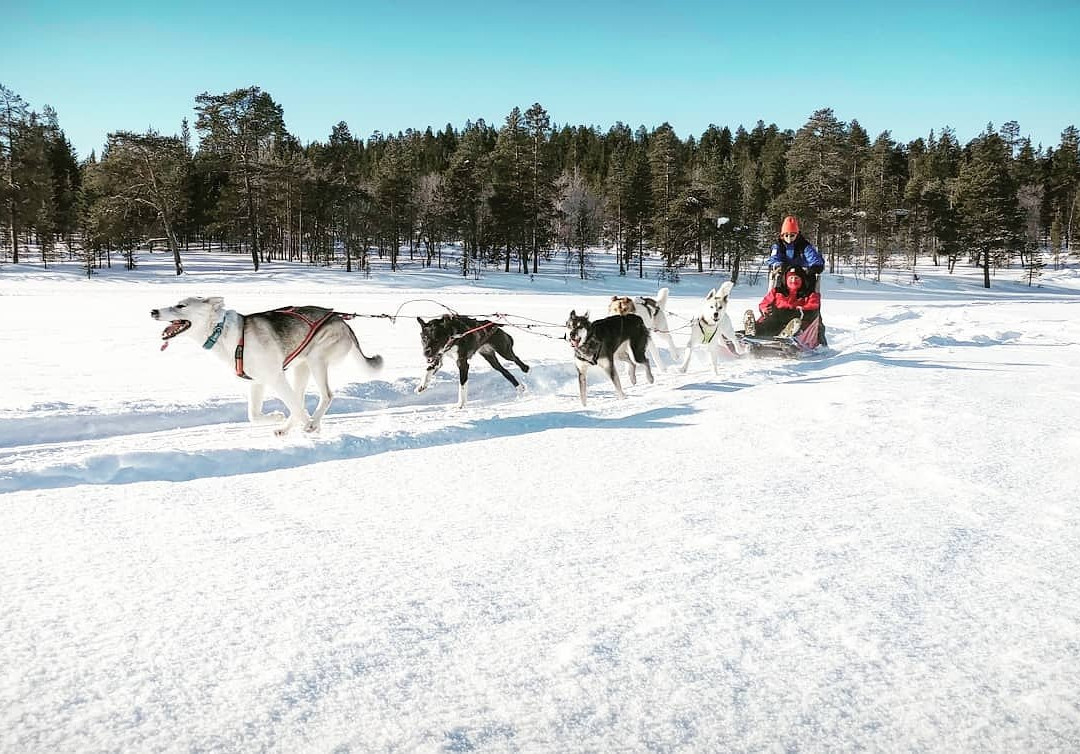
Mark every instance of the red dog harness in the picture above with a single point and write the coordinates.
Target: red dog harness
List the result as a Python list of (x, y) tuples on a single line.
[(313, 327)]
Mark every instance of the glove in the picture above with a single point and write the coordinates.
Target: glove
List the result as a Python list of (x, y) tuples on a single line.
[(769, 309)]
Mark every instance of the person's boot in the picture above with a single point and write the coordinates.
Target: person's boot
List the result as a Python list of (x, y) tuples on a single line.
[(749, 324)]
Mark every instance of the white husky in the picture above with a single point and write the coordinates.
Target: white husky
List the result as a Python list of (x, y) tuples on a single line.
[(712, 327), (260, 346), (651, 311)]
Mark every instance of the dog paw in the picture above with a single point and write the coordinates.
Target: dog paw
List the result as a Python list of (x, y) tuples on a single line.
[(420, 389), (311, 426), (520, 389)]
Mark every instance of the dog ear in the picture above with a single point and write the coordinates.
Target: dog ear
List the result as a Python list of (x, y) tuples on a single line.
[(422, 322), (573, 313), (216, 301), (710, 294)]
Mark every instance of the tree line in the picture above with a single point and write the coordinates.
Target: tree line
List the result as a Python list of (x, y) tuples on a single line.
[(531, 193)]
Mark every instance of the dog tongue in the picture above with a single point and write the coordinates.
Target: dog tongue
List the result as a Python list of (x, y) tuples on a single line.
[(164, 345)]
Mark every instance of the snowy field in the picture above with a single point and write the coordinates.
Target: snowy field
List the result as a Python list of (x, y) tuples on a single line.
[(872, 549)]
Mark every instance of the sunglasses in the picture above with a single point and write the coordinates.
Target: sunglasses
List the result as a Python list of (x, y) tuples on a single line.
[(788, 235)]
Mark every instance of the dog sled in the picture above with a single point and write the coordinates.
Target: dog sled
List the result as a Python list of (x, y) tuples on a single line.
[(809, 339)]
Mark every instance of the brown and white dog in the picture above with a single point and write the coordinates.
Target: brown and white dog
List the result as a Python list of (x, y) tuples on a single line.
[(651, 311)]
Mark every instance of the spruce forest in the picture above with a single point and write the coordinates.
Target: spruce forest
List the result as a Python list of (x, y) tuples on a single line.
[(528, 194)]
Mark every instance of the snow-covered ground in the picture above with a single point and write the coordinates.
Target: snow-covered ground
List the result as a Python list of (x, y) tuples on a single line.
[(872, 549)]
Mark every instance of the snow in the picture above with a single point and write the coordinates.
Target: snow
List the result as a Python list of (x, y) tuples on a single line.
[(678, 571)]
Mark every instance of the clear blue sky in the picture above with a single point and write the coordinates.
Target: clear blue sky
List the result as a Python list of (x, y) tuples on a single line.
[(388, 66)]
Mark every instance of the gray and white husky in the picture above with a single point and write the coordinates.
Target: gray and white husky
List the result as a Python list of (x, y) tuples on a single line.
[(260, 346), (712, 328), (601, 342)]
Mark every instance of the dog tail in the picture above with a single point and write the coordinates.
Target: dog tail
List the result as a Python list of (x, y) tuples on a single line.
[(661, 298), (373, 362)]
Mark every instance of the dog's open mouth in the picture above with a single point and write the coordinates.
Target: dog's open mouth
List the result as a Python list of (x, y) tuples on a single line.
[(175, 327)]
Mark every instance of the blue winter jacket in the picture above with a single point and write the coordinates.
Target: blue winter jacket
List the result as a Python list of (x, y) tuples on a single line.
[(798, 253)]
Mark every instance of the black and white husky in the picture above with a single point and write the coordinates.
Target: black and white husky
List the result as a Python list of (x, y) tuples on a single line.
[(651, 311), (469, 336), (261, 346), (712, 328), (601, 342)]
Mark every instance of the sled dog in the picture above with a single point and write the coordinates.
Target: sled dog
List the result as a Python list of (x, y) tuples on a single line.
[(712, 328), (260, 346), (622, 336), (651, 311), (469, 336)]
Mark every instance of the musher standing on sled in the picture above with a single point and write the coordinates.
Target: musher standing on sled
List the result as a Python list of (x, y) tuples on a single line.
[(792, 249)]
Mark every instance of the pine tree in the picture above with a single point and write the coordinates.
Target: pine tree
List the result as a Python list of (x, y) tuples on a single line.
[(1065, 184), (66, 176), (242, 128), (882, 181), (990, 217), (818, 184), (394, 189), (666, 166), (620, 144), (541, 184), (464, 193), (1055, 241), (638, 205), (14, 115), (338, 180), (856, 213), (510, 195), (1035, 266), (35, 207)]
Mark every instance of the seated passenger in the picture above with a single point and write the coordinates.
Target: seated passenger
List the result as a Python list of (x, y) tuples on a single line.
[(785, 309)]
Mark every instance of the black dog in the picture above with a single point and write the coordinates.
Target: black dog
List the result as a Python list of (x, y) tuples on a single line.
[(602, 341), (470, 336)]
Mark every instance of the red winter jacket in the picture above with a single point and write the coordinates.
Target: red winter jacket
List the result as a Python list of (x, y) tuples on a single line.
[(783, 300)]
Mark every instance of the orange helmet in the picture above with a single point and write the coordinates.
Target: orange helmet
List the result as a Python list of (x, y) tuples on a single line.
[(791, 225)]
